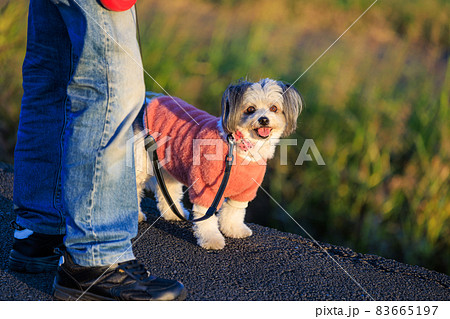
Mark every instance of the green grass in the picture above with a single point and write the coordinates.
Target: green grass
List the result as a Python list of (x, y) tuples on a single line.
[(377, 107), (13, 25)]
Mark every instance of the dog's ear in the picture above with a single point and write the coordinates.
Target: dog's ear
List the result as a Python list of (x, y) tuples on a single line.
[(292, 106), (231, 105)]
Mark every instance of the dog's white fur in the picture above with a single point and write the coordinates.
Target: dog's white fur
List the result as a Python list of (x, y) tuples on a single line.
[(262, 96)]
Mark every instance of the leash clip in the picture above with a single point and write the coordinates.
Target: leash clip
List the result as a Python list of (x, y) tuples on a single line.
[(231, 142)]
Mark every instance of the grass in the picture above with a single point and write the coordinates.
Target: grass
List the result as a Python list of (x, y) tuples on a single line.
[(377, 107)]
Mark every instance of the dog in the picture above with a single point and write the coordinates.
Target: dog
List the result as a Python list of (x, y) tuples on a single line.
[(192, 145)]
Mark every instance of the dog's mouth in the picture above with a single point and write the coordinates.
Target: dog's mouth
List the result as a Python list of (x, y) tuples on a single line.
[(263, 132)]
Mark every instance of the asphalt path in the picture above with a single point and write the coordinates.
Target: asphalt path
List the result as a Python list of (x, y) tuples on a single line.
[(270, 265)]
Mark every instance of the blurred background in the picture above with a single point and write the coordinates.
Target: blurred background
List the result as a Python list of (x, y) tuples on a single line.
[(377, 107)]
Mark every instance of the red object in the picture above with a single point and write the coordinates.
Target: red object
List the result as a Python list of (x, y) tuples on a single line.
[(118, 5)]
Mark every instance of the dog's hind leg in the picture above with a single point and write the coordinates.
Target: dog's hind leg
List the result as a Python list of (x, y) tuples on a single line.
[(175, 189), (140, 194)]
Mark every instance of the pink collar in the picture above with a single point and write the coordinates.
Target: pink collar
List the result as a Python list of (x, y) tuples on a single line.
[(243, 143)]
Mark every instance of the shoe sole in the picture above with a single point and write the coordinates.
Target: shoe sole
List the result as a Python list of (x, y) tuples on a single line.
[(67, 294), (61, 293), (33, 265)]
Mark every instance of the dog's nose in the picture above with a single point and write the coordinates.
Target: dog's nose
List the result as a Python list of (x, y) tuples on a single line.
[(263, 120)]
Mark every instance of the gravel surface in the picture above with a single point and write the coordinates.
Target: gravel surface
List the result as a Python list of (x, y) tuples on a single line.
[(270, 265)]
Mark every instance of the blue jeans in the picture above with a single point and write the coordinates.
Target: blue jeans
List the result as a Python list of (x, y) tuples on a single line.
[(83, 87)]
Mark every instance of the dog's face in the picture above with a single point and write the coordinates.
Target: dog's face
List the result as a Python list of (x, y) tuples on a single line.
[(261, 110)]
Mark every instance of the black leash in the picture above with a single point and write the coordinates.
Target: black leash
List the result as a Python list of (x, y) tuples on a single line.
[(150, 142)]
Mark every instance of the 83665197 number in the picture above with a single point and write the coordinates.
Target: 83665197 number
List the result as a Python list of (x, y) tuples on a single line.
[(406, 310)]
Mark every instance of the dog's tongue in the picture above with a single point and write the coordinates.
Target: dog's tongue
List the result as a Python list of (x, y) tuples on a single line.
[(264, 131)]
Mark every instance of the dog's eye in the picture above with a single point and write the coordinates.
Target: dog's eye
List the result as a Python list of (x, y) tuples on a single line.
[(273, 108), (250, 110)]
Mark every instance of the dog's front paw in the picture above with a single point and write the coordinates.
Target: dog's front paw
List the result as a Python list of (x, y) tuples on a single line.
[(236, 230), (211, 240)]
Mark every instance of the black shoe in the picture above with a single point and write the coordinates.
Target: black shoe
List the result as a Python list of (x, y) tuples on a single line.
[(33, 252), (124, 281)]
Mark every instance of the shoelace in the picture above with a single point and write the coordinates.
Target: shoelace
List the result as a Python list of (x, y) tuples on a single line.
[(135, 268)]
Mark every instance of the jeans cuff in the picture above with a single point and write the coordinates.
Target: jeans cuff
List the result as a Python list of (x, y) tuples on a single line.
[(39, 228), (89, 259)]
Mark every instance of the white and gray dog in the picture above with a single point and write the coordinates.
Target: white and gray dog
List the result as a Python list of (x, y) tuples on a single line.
[(193, 145)]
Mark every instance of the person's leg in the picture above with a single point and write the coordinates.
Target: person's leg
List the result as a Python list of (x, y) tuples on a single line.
[(105, 94), (38, 152), (40, 223)]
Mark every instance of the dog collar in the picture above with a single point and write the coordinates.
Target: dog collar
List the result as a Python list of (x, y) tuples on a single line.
[(243, 143)]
